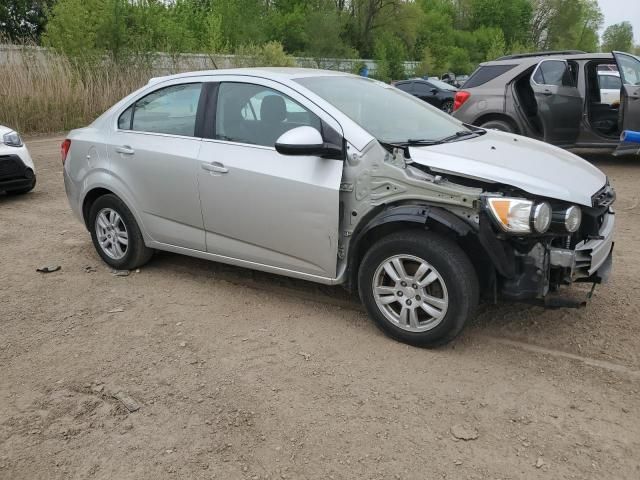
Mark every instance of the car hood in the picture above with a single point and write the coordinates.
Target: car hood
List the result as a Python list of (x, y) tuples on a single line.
[(4, 130), (535, 167)]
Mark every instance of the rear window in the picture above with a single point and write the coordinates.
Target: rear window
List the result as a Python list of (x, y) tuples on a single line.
[(485, 74)]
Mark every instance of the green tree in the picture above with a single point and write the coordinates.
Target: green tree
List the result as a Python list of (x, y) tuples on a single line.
[(23, 20), (390, 55), (618, 37)]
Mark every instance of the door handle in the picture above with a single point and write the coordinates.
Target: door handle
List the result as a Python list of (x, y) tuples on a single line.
[(215, 167), (125, 150)]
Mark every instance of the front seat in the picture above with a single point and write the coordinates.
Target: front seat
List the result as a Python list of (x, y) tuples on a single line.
[(273, 112)]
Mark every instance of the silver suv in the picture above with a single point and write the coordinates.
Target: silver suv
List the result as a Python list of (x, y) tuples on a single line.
[(339, 179), (557, 97)]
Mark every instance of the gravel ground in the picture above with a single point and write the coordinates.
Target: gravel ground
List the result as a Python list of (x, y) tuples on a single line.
[(234, 374)]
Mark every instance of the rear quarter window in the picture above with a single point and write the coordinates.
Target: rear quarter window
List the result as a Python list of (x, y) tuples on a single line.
[(485, 74)]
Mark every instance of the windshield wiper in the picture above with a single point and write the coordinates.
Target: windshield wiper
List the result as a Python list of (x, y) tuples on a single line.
[(458, 136)]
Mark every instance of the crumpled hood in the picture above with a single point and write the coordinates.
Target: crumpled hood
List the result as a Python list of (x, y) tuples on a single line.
[(535, 167)]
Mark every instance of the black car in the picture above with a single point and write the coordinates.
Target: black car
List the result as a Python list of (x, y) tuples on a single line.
[(435, 92)]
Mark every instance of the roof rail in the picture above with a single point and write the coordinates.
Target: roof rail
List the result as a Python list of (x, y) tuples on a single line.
[(540, 54)]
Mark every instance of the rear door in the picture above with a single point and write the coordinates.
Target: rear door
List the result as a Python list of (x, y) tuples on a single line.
[(559, 101)]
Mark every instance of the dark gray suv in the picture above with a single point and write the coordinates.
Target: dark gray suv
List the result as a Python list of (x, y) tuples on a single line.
[(555, 97)]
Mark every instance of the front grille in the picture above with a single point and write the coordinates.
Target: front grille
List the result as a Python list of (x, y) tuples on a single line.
[(11, 167)]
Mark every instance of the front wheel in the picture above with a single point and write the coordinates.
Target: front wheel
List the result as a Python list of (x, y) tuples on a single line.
[(420, 288)]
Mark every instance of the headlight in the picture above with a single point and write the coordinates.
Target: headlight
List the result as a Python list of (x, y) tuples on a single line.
[(517, 215), (569, 219), (12, 139)]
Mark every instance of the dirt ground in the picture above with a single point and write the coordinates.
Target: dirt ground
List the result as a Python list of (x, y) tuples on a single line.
[(243, 375)]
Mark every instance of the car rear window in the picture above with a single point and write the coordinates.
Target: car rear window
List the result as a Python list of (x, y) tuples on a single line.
[(484, 74)]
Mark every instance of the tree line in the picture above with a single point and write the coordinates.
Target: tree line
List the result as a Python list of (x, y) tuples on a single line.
[(443, 35)]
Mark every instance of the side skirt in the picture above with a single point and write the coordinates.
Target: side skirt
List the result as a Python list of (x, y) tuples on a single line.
[(244, 263)]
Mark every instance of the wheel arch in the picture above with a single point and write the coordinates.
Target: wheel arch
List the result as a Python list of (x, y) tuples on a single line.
[(100, 189), (390, 219), (487, 117)]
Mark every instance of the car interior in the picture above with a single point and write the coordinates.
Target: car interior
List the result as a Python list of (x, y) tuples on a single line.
[(603, 117)]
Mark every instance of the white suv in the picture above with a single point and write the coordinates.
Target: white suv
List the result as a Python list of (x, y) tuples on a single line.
[(17, 172)]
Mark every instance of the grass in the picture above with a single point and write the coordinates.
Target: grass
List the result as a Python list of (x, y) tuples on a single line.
[(53, 94)]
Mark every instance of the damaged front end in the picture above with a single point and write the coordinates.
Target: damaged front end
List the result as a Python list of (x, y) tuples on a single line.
[(532, 267)]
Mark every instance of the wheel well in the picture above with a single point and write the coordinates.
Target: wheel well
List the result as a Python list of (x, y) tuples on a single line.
[(497, 116), (469, 243), (91, 197)]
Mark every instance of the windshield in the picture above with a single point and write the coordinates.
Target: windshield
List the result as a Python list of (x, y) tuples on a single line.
[(387, 113)]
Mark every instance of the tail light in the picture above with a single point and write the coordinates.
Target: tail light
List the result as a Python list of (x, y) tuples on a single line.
[(64, 149), (460, 98)]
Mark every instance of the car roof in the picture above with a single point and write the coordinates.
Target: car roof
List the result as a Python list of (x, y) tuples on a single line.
[(531, 60), (274, 73)]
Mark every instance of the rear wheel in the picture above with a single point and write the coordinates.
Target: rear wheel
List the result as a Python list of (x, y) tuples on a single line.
[(501, 125), (447, 106), (420, 288), (116, 235)]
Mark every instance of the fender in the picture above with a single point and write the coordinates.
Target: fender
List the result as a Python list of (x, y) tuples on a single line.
[(418, 214)]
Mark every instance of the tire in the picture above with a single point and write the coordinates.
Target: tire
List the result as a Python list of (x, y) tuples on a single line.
[(456, 287), (501, 125), (135, 253), (447, 106), (22, 191)]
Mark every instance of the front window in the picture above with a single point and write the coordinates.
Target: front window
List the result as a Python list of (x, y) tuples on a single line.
[(385, 112), (629, 69), (257, 115)]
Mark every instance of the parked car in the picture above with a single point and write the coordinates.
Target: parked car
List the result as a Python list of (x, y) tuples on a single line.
[(555, 97), (17, 172), (339, 179), (610, 86), (434, 92)]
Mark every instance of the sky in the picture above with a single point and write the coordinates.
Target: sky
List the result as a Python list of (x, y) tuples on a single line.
[(616, 11)]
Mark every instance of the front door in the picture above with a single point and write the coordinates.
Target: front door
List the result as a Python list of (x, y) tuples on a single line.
[(154, 152), (629, 68), (277, 212), (558, 100)]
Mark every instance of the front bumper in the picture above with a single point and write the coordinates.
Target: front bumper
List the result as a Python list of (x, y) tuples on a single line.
[(15, 174), (591, 260)]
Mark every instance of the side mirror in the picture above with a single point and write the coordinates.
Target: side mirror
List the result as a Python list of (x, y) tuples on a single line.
[(306, 141)]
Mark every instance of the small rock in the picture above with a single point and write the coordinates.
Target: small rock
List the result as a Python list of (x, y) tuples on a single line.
[(179, 324), (89, 269), (97, 388), (463, 432), (307, 356), (120, 273), (116, 310), (183, 344), (539, 462), (458, 462), (128, 402)]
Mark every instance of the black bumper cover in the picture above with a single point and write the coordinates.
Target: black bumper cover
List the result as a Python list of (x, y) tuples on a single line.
[(14, 174)]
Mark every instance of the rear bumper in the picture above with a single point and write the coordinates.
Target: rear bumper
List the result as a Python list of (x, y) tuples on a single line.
[(14, 173)]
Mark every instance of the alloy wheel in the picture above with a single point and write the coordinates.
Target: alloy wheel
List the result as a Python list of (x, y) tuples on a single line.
[(112, 233), (410, 293)]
